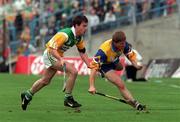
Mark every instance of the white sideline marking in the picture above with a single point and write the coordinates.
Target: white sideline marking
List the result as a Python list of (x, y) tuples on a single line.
[(171, 85), (174, 86), (158, 81)]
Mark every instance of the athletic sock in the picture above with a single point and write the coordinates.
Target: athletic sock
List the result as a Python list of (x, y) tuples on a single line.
[(67, 95), (29, 94), (133, 103)]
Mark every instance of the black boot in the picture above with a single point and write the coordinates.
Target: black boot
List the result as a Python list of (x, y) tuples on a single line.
[(70, 102)]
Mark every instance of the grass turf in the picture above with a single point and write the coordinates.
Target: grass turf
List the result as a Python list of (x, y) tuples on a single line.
[(160, 95)]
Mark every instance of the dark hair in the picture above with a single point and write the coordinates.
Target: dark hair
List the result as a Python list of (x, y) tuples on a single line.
[(79, 19), (119, 36)]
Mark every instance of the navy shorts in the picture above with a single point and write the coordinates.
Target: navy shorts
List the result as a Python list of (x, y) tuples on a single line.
[(107, 67)]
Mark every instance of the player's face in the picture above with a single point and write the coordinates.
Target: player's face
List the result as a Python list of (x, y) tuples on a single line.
[(81, 29), (119, 45)]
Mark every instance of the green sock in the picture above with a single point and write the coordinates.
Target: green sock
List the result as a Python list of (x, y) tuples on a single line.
[(67, 95), (29, 94)]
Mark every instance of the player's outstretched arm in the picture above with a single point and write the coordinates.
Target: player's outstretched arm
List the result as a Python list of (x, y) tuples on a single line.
[(85, 58)]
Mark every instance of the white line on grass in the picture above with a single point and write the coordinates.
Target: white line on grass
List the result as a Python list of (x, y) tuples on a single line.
[(170, 85), (174, 86)]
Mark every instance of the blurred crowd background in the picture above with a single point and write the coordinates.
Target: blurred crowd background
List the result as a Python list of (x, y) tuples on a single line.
[(29, 24)]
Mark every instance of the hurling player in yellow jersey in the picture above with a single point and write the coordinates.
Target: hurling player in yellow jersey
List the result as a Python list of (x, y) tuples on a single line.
[(53, 60), (106, 61)]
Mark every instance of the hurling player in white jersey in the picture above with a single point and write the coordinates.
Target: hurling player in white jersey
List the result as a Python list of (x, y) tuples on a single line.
[(53, 60)]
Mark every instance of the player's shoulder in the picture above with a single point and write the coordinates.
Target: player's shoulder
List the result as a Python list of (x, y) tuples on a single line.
[(106, 45), (68, 31), (64, 32)]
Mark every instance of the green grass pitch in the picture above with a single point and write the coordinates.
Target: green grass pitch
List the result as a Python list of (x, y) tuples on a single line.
[(162, 97)]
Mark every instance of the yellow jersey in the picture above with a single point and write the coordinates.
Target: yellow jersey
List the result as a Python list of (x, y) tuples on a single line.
[(107, 53)]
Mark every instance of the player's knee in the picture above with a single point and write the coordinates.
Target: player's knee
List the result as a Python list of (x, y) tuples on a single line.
[(74, 72)]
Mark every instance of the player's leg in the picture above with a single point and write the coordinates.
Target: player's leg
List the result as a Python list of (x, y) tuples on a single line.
[(116, 80), (70, 82), (45, 80), (72, 75), (26, 96), (70, 70), (49, 72)]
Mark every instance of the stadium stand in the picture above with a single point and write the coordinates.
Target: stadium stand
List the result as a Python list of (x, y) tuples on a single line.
[(46, 19)]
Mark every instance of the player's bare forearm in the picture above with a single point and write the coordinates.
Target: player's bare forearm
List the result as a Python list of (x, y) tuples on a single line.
[(85, 58), (92, 77), (92, 88)]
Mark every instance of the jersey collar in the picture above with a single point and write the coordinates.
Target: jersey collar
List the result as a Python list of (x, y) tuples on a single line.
[(73, 30), (113, 47)]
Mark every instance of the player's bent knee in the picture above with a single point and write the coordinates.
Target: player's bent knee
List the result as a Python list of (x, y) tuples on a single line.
[(74, 72)]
